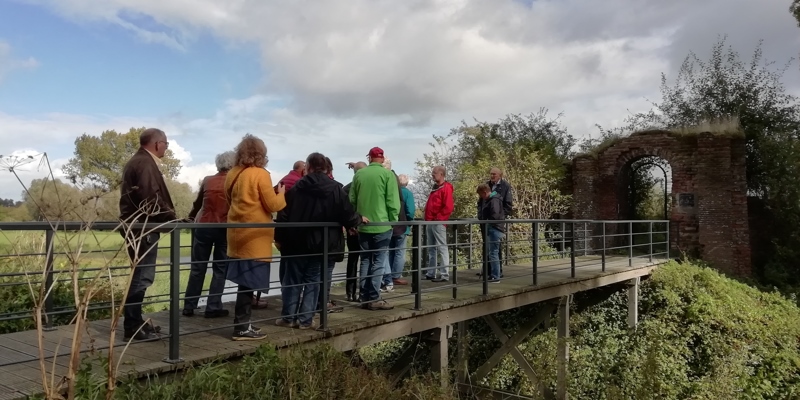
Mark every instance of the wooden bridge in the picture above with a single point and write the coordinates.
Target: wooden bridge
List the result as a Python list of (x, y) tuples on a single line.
[(439, 309)]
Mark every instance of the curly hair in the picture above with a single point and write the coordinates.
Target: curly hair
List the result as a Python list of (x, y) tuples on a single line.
[(251, 152)]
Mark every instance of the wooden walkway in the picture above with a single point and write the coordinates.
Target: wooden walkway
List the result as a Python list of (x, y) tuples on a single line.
[(203, 340)]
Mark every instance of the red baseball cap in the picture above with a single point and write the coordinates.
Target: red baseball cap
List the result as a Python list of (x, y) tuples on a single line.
[(375, 152)]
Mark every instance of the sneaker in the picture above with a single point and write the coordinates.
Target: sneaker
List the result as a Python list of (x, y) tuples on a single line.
[(333, 308), (379, 305), (249, 334), (387, 289), (312, 325), (441, 279), (430, 278), (216, 313), (188, 312), (140, 336), (494, 280), (286, 324), (400, 281)]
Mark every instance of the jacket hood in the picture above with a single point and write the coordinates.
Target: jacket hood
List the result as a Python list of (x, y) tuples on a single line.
[(316, 184)]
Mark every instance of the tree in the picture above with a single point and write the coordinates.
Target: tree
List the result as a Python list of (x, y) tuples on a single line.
[(182, 197), (795, 10), (99, 159), (48, 199)]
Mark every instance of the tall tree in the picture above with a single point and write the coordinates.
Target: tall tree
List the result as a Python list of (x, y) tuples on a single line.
[(795, 10), (99, 160)]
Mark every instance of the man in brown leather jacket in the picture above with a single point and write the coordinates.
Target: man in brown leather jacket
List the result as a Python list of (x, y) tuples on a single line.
[(144, 196)]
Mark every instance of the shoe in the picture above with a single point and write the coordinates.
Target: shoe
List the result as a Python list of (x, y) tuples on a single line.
[(140, 336), (258, 304), (333, 308), (282, 322), (494, 280), (441, 279), (430, 278), (188, 312), (312, 325), (400, 281), (387, 289), (149, 327), (249, 334), (379, 305), (216, 313)]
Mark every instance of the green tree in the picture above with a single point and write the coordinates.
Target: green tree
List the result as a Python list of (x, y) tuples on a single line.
[(48, 199), (182, 196), (795, 10), (99, 159)]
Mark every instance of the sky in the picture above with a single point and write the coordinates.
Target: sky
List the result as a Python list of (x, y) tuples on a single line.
[(342, 76)]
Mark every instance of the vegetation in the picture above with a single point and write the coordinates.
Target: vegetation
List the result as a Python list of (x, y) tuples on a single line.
[(316, 373)]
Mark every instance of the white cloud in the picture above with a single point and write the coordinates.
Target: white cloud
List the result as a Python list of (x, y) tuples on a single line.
[(9, 63)]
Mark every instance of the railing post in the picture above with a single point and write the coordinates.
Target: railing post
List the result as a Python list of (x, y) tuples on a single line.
[(485, 258), (603, 253), (630, 244), (563, 239), (651, 241), (416, 265), (471, 243), (174, 296), (49, 242), (572, 248), (669, 225), (454, 262), (323, 314), (535, 245)]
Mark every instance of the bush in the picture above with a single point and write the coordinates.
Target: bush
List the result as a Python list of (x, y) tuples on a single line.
[(316, 373)]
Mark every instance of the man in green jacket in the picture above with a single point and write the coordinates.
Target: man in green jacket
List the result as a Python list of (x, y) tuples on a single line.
[(374, 193)]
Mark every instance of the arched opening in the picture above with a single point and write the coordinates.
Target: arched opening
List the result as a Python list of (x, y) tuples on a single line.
[(645, 193)]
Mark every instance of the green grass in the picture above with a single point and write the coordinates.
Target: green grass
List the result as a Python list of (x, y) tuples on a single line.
[(21, 242)]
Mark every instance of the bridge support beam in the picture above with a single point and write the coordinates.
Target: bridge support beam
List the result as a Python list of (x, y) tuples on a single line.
[(439, 353), (462, 355), (633, 303), (563, 347)]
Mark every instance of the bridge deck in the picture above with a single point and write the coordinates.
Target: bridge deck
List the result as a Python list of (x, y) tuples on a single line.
[(203, 340)]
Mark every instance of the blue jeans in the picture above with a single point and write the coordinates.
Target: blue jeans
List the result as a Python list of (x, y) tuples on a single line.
[(396, 260), (375, 250), (331, 266), (437, 240), (495, 236), (302, 279), (206, 239)]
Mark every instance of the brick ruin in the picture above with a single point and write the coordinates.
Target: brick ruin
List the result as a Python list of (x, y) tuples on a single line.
[(708, 217)]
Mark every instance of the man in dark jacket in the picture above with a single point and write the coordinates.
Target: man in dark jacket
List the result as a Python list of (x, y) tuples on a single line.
[(314, 198), (144, 196), (491, 210), (502, 189), (353, 247)]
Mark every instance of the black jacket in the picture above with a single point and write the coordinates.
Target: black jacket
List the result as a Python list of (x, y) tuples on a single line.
[(503, 190), (144, 192), (492, 210), (315, 198)]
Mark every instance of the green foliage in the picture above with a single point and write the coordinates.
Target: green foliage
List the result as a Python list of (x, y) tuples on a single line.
[(701, 336), (795, 10), (99, 159), (317, 373), (14, 214)]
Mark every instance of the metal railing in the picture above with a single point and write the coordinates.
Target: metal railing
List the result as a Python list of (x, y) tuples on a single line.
[(526, 246)]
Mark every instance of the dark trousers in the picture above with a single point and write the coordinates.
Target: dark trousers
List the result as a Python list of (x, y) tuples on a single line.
[(144, 273), (206, 239), (243, 309), (302, 289), (353, 264), (331, 266)]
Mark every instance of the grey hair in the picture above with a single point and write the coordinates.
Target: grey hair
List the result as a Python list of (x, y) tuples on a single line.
[(225, 161), (402, 179), (387, 163)]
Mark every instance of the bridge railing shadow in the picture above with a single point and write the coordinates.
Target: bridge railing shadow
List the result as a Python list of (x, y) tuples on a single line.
[(41, 255)]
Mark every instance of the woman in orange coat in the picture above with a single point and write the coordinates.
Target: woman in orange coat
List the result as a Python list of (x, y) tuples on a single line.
[(252, 199)]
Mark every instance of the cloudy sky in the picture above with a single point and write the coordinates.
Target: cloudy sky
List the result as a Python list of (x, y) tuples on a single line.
[(341, 76)]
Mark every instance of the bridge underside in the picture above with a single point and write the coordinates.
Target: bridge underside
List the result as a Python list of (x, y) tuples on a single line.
[(204, 340)]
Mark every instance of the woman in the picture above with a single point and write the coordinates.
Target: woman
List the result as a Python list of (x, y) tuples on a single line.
[(212, 207), (252, 199)]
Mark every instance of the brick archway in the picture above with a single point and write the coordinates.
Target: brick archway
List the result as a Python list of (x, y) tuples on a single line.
[(708, 199)]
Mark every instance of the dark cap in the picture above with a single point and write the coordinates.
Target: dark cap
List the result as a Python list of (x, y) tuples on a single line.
[(375, 152)]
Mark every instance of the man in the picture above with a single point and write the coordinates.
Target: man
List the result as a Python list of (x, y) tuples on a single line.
[(503, 190), (212, 207), (438, 208), (297, 172), (144, 197), (353, 246), (375, 195), (395, 263), (315, 198), (491, 210)]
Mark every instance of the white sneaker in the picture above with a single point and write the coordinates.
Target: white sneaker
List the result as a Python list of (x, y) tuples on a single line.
[(387, 289)]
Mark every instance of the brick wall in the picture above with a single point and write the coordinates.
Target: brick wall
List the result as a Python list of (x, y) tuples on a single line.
[(709, 216)]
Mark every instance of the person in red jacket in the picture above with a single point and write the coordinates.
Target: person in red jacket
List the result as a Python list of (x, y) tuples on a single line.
[(297, 172), (438, 208)]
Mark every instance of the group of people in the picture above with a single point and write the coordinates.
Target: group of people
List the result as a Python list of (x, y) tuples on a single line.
[(242, 192)]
